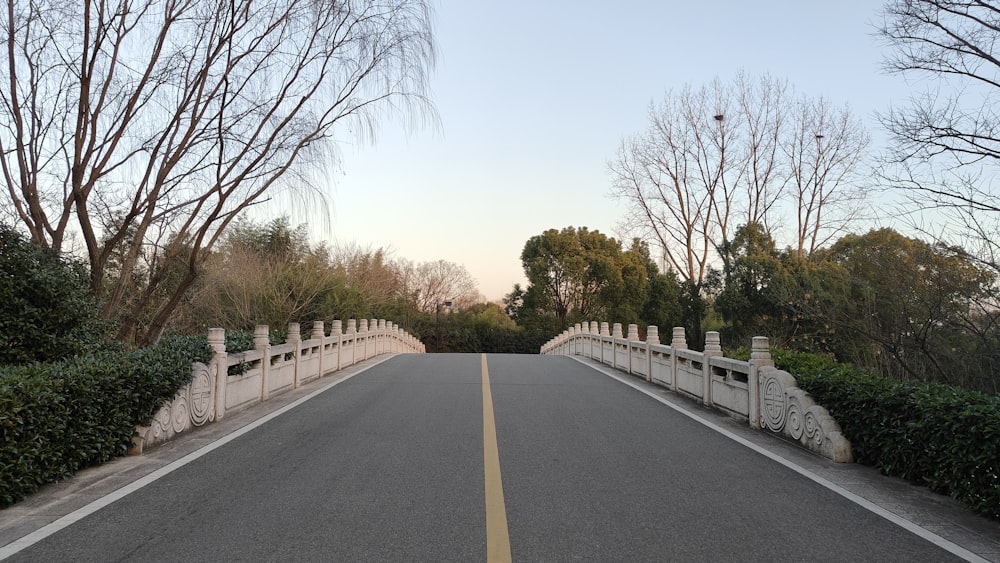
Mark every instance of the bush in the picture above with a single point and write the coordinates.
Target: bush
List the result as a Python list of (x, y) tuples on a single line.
[(943, 437), (46, 312), (58, 417)]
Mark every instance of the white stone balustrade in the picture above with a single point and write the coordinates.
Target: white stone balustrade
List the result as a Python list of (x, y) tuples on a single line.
[(754, 391), (267, 370)]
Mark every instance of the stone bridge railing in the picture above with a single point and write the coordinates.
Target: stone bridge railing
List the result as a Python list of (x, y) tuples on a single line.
[(257, 374), (767, 398)]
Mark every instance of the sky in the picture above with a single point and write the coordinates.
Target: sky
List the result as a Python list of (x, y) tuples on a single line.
[(534, 97)]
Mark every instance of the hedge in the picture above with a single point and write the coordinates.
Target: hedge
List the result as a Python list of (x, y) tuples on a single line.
[(943, 437), (59, 417)]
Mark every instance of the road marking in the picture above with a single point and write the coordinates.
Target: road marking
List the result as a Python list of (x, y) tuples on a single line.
[(900, 521), (497, 538)]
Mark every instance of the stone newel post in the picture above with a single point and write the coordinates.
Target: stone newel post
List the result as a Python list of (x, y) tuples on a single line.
[(652, 337), (633, 333), (652, 334), (678, 341), (632, 336), (760, 356), (713, 348), (262, 342), (217, 340), (319, 333), (294, 338), (337, 332)]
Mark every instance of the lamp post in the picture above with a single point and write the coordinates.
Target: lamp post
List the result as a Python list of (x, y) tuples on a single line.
[(437, 326)]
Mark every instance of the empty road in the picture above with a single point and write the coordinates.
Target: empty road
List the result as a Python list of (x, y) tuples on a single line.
[(482, 458)]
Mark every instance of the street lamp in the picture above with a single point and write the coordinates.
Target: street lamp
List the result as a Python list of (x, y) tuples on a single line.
[(437, 317)]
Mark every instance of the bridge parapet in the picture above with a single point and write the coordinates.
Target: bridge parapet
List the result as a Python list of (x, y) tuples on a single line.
[(234, 381), (755, 391)]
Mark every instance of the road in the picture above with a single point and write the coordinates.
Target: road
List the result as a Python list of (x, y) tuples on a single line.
[(394, 465)]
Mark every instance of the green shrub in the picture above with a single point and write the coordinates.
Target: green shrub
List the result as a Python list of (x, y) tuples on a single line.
[(943, 437), (58, 417), (46, 312)]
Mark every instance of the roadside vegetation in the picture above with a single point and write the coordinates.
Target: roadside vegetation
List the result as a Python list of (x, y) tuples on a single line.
[(939, 436)]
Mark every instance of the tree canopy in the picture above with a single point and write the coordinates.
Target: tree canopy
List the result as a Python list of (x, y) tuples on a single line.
[(575, 275), (148, 126)]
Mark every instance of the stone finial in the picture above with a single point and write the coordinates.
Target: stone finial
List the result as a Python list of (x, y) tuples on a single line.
[(652, 334), (373, 324), (294, 334), (261, 337), (579, 328), (678, 340), (713, 345), (352, 326), (633, 333), (604, 329), (381, 324), (616, 330), (217, 339), (319, 329), (338, 328), (760, 352), (363, 325)]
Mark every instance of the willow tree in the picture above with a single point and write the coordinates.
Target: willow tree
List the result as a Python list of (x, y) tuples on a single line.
[(144, 127)]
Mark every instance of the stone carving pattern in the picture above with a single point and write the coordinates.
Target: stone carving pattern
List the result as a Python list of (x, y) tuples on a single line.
[(773, 409), (795, 423), (161, 422), (180, 417), (202, 394), (786, 409)]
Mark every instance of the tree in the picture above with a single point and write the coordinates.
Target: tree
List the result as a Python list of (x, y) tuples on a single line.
[(746, 300), (147, 126), (824, 150), (913, 304), (569, 272), (576, 275), (263, 273), (673, 177), (946, 141), (432, 283), (724, 155)]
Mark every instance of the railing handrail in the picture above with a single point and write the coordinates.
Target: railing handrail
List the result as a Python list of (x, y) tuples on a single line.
[(769, 398)]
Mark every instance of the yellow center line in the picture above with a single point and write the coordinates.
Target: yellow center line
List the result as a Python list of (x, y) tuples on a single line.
[(497, 539)]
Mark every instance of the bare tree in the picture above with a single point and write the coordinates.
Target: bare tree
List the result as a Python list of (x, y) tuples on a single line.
[(433, 283), (762, 107), (725, 156), (824, 148), (947, 140), (678, 178), (146, 126)]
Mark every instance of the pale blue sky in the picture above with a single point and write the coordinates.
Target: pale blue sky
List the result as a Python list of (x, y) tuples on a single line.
[(535, 96)]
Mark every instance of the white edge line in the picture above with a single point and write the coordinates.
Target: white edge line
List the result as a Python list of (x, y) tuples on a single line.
[(38, 535), (913, 527)]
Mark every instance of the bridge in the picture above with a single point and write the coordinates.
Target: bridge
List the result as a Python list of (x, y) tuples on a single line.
[(353, 446)]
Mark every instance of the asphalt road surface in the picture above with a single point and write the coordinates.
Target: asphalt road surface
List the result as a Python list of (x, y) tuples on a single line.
[(395, 464)]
